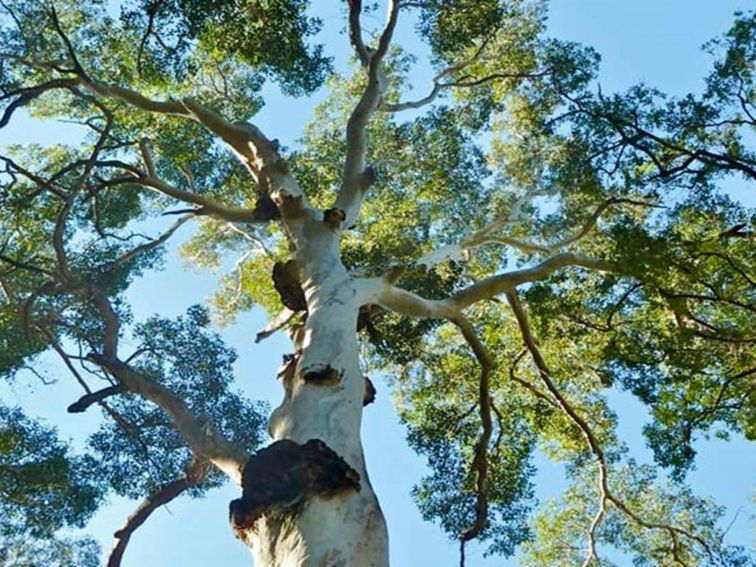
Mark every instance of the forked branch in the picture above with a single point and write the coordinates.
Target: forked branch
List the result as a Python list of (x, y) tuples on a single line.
[(405, 302), (152, 244), (25, 95), (87, 400), (670, 158), (440, 84), (605, 494), (205, 205), (204, 439), (490, 287), (258, 153), (356, 176), (488, 234)]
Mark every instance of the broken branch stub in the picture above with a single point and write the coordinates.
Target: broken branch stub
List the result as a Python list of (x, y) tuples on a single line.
[(370, 392)]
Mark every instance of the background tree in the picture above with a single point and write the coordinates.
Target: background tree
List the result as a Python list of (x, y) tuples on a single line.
[(601, 221)]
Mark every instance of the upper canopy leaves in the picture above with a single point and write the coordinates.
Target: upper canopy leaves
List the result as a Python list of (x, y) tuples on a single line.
[(517, 159), (270, 36), (43, 487)]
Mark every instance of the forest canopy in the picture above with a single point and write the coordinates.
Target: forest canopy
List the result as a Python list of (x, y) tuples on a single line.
[(516, 243)]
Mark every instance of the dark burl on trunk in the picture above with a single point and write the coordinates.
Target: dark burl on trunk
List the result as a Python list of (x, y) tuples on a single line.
[(282, 476)]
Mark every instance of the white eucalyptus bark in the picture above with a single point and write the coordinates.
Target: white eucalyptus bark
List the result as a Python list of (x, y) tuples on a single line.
[(347, 529)]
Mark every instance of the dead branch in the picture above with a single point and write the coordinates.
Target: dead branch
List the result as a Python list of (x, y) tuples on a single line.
[(152, 244), (84, 402), (278, 323)]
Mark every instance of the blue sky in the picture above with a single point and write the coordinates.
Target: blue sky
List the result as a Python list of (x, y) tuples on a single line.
[(655, 41)]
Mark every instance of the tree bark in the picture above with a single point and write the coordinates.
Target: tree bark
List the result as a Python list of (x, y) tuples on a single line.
[(296, 511)]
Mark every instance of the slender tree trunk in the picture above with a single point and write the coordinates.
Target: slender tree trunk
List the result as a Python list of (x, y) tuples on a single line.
[(326, 513)]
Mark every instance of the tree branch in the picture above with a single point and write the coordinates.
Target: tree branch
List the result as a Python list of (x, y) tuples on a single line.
[(586, 228), (200, 434), (480, 461), (605, 494), (460, 250), (503, 283), (78, 69), (671, 150), (196, 472), (129, 429), (437, 84), (407, 303), (149, 162), (278, 323), (152, 244), (204, 439), (486, 235), (355, 32), (412, 305), (355, 176), (207, 206), (26, 95), (87, 400), (256, 152), (251, 146), (388, 31), (527, 385), (415, 104)]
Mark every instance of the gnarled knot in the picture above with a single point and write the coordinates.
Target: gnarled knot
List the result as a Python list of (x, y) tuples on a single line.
[(322, 375), (265, 209), (284, 475), (334, 217), (286, 282)]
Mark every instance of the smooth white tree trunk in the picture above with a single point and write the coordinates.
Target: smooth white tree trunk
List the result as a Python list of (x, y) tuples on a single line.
[(324, 391)]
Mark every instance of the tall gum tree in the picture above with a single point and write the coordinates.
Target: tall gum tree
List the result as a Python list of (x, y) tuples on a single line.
[(507, 284)]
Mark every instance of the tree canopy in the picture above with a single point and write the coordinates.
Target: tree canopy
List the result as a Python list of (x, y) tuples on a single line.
[(541, 242)]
